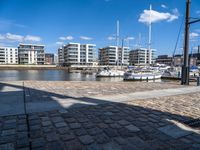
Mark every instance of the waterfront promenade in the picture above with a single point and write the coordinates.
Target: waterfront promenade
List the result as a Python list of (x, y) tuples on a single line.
[(98, 115)]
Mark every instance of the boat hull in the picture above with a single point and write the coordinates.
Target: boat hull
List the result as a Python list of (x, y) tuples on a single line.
[(142, 77)]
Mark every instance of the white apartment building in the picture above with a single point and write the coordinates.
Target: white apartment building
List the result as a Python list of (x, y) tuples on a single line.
[(31, 54), (78, 54), (60, 56), (113, 55), (142, 56), (8, 55)]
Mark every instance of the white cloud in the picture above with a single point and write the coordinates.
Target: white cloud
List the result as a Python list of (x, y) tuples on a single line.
[(130, 38), (111, 38), (85, 38), (66, 38), (198, 12), (32, 38), (8, 37), (163, 6), (157, 16), (59, 43), (14, 37), (193, 35)]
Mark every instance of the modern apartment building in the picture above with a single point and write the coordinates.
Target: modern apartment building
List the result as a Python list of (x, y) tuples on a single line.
[(78, 54), (60, 56), (49, 58), (164, 59), (8, 55), (31, 54), (113, 55), (142, 56)]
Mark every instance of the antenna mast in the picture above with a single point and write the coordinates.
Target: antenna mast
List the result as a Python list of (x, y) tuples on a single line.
[(149, 44)]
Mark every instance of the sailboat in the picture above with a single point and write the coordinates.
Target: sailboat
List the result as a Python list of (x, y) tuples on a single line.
[(108, 72), (144, 73)]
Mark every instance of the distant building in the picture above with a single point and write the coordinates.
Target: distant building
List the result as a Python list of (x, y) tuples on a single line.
[(142, 56), (31, 54), (60, 56), (113, 55), (164, 59), (8, 55), (55, 59), (49, 58), (78, 54), (178, 60)]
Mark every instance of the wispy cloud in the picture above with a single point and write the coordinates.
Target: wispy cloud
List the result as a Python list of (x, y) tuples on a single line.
[(107, 0), (163, 6), (66, 38), (7, 24), (158, 16), (59, 43), (198, 12), (85, 38), (194, 35), (110, 38), (130, 38), (8, 37), (32, 38)]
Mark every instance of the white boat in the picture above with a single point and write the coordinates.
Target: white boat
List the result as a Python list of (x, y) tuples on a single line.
[(142, 75), (107, 72)]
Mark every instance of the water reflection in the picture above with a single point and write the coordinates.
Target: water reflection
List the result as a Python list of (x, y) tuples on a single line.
[(50, 75)]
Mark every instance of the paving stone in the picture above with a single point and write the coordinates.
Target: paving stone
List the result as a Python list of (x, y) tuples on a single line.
[(111, 146), (120, 141), (46, 123), (123, 122), (56, 145), (102, 138), (80, 131), (86, 139), (7, 139), (68, 136), (139, 143), (60, 124), (52, 137), (38, 142), (88, 125), (63, 130), (22, 127), (23, 143), (35, 134), (8, 146), (8, 132), (174, 131), (93, 146), (94, 131), (111, 132), (35, 127), (115, 126), (74, 125), (197, 146), (74, 145), (10, 126), (57, 119), (132, 128)]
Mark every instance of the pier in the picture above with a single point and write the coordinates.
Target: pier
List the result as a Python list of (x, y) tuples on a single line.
[(98, 115)]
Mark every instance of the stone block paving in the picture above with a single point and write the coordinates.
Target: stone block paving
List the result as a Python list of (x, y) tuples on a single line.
[(45, 90), (135, 125)]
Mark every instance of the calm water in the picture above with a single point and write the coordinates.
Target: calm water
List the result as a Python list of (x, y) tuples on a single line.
[(50, 75)]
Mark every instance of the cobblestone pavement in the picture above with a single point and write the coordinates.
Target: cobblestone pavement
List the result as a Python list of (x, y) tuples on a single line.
[(143, 124), (41, 90)]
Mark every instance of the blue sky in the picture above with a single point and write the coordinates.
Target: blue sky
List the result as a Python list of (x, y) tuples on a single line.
[(56, 22)]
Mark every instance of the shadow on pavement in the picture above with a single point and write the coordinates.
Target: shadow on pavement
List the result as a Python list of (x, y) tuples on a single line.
[(108, 125)]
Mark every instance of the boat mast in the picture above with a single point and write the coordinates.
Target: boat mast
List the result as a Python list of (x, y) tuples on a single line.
[(149, 44), (117, 43)]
